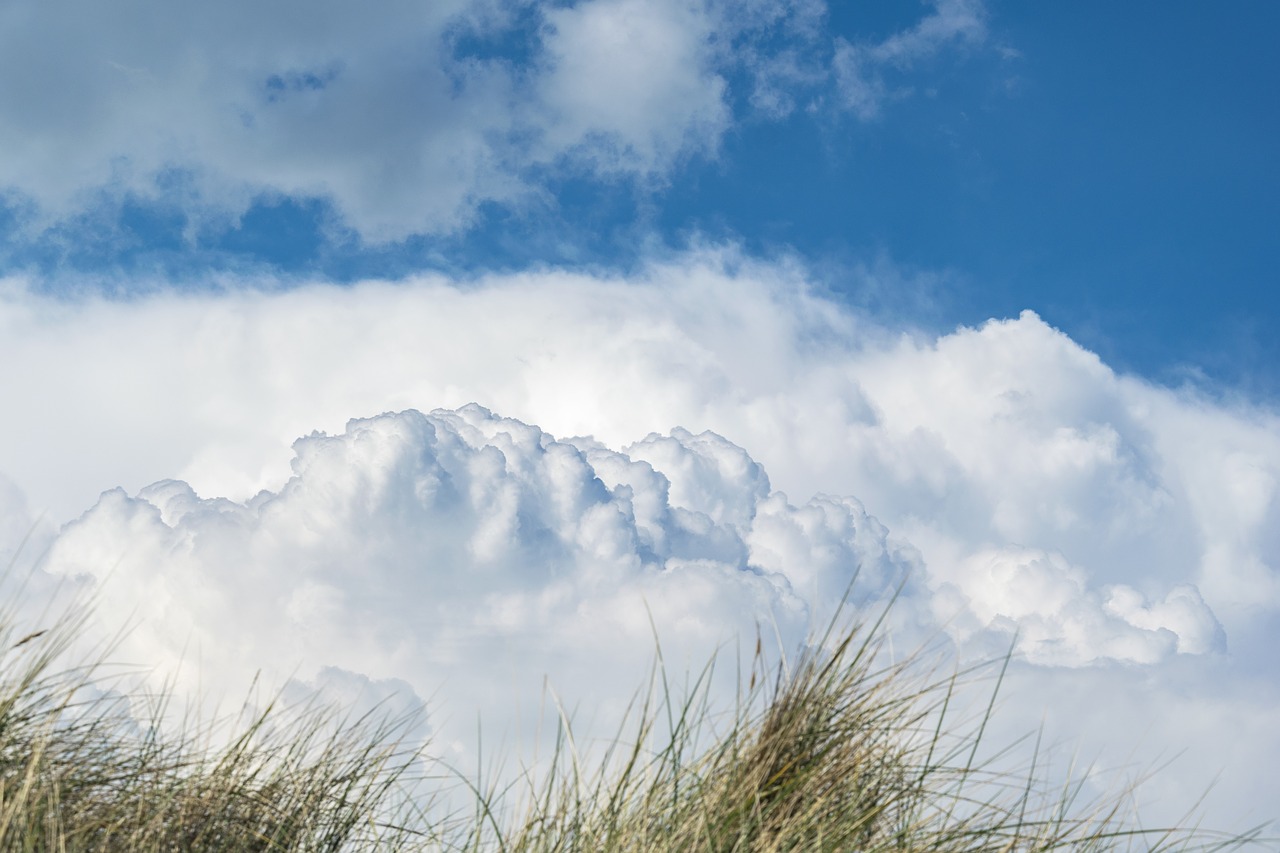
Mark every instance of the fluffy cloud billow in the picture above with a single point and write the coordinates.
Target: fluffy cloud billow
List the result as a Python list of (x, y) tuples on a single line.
[(462, 527), (477, 555), (470, 551)]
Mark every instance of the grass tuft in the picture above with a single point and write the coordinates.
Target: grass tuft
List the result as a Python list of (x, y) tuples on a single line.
[(840, 751), (79, 771), (843, 749)]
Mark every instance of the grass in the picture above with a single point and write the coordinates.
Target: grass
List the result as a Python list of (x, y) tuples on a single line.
[(839, 750), (80, 771)]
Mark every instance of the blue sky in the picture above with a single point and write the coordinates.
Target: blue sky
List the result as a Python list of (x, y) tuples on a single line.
[(1110, 166), (469, 336)]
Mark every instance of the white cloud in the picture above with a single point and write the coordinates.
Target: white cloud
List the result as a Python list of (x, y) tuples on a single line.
[(1008, 434), (407, 119), (1059, 620), (129, 99), (1112, 523), (630, 85), (210, 106), (440, 549)]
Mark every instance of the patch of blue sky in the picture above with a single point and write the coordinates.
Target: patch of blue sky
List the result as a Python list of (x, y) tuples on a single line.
[(136, 245), (1117, 175), (507, 34), (277, 87), (125, 236)]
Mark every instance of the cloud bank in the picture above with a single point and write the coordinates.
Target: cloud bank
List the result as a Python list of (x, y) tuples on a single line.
[(412, 536), (986, 443), (408, 120), (751, 442), (479, 556)]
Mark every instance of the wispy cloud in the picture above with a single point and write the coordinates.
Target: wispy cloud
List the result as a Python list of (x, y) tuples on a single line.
[(862, 69)]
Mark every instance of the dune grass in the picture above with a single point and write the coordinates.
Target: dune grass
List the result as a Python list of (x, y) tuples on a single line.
[(838, 750), (844, 750), (80, 771)]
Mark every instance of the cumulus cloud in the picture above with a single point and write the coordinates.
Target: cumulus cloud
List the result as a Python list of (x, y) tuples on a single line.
[(1110, 524), (630, 84), (474, 556), (439, 549), (1059, 620), (1009, 435), (413, 542)]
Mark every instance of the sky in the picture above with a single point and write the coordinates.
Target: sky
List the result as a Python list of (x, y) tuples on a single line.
[(432, 353)]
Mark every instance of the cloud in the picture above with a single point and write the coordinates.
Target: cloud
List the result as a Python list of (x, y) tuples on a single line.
[(1005, 434), (860, 68), (408, 121), (630, 86), (387, 115), (449, 549), (1059, 620), (1116, 526), (472, 558)]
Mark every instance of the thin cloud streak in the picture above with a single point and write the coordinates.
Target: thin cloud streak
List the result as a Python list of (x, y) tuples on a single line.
[(861, 68)]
